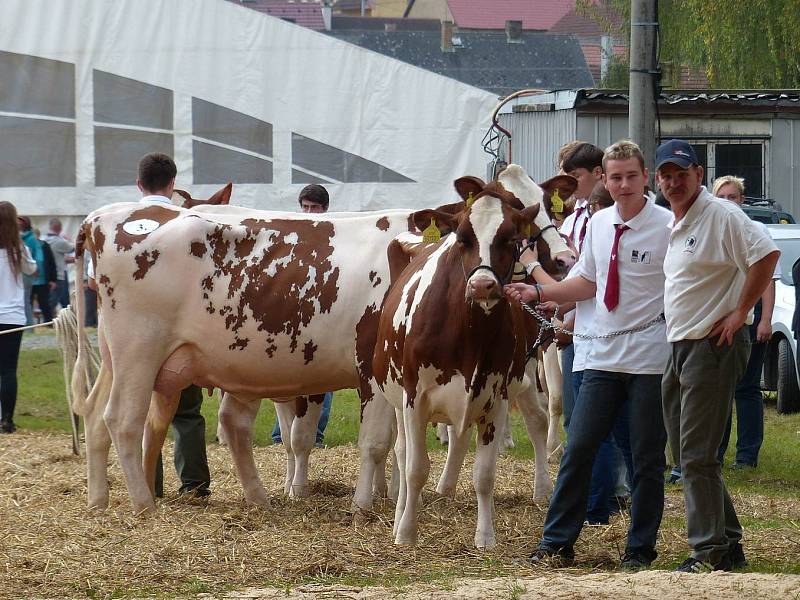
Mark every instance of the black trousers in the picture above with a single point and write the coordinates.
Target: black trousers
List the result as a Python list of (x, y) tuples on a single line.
[(191, 462), (42, 295), (9, 356)]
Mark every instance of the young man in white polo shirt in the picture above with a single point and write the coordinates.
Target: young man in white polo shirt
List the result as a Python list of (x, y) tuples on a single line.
[(718, 265), (621, 268)]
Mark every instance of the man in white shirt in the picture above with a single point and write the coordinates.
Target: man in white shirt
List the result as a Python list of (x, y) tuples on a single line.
[(584, 163), (156, 181), (718, 265), (621, 268)]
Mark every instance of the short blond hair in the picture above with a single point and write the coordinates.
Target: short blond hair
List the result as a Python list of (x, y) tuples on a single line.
[(737, 182), (623, 150)]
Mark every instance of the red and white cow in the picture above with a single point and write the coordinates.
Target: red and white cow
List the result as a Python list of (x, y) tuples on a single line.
[(258, 304), (451, 349)]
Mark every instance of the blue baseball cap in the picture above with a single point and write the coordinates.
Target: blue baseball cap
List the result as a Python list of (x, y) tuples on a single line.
[(678, 152)]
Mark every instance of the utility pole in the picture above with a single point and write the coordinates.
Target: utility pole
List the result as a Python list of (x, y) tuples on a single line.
[(642, 102)]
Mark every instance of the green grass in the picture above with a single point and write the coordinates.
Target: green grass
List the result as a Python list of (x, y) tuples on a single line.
[(41, 404)]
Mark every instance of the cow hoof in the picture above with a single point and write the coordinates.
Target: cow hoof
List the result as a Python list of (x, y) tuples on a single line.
[(446, 491), (485, 541), (555, 456), (98, 503), (145, 510), (542, 499), (299, 492), (405, 540), (261, 501)]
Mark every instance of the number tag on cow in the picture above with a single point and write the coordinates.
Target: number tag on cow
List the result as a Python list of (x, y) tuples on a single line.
[(140, 226), (556, 203), (470, 200), (431, 233), (526, 230)]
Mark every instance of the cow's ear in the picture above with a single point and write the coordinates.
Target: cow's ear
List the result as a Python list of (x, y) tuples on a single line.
[(526, 225), (182, 198), (565, 184), (454, 208), (444, 222), (223, 196), (469, 185)]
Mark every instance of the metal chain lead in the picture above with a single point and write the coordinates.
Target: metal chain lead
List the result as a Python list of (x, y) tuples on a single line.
[(550, 324)]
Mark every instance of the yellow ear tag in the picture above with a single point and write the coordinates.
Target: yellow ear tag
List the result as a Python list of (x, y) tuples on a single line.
[(431, 234), (470, 200), (526, 230), (556, 203)]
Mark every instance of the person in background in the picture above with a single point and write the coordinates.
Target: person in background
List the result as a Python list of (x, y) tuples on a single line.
[(718, 264), (156, 180), (747, 396), (15, 261), (40, 285), (313, 199), (89, 295), (61, 247)]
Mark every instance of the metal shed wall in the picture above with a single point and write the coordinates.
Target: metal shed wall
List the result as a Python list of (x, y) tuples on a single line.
[(536, 139)]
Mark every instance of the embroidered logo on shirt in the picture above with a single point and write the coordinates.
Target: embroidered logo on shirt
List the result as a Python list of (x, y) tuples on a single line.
[(690, 244), (641, 256)]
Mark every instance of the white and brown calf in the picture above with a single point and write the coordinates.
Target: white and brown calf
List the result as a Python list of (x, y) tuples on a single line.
[(451, 349)]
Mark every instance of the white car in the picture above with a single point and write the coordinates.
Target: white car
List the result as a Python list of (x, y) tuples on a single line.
[(780, 362)]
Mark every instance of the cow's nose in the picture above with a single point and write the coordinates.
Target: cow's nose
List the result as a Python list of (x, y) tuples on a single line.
[(565, 261), (483, 288)]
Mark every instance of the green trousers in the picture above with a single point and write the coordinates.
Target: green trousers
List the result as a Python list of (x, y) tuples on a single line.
[(191, 462)]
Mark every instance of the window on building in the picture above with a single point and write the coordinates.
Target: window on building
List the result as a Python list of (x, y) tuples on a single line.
[(745, 158)]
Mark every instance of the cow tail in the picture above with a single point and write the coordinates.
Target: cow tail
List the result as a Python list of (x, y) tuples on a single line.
[(81, 377)]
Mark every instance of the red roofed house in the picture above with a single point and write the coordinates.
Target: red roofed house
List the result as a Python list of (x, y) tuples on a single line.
[(538, 15)]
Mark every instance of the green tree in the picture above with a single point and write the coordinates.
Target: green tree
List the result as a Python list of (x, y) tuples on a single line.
[(747, 44)]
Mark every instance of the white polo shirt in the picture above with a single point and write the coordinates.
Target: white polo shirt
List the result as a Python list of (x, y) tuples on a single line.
[(641, 297), (571, 221), (710, 250)]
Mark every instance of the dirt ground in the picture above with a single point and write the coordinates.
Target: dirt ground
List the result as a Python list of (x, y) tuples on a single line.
[(52, 546), (650, 585)]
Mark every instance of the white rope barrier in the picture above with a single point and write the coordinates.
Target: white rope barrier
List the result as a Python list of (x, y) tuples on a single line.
[(27, 327)]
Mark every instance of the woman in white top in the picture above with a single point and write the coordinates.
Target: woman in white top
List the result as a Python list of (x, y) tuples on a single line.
[(15, 259)]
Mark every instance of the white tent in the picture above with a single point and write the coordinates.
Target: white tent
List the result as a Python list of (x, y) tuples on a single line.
[(88, 86)]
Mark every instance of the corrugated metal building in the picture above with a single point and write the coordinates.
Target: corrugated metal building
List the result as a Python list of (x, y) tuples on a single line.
[(753, 134)]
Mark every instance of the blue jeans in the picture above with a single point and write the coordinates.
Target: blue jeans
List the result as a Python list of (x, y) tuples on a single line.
[(568, 389), (749, 409), (603, 397), (321, 424), (602, 492)]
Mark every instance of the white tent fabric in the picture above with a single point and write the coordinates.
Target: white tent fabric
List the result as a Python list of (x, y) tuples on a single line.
[(88, 86)]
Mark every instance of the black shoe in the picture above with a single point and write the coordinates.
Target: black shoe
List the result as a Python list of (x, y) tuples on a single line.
[(195, 492), (674, 478), (544, 556), (636, 560), (742, 466), (7, 426), (737, 557), (695, 565)]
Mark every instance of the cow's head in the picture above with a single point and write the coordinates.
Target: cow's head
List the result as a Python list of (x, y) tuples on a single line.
[(558, 199), (184, 199), (528, 193), (488, 232)]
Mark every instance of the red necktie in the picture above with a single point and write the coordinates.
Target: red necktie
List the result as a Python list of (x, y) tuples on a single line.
[(578, 213), (611, 298), (582, 234)]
